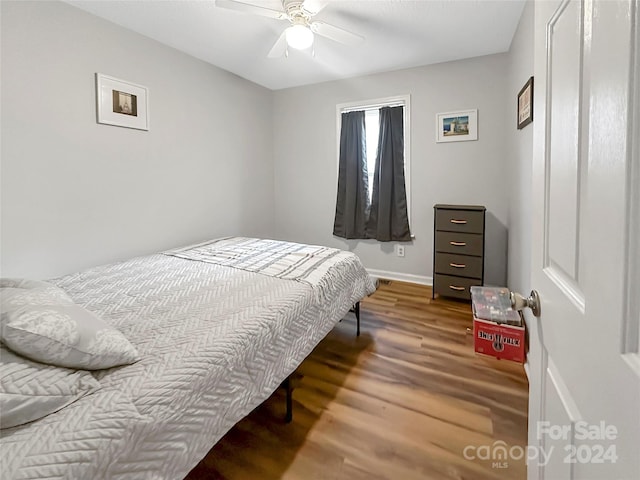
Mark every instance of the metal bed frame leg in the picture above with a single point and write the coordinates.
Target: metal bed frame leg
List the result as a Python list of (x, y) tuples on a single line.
[(288, 417)]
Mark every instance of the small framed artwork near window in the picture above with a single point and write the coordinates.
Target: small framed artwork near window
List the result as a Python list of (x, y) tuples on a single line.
[(460, 126), (122, 103), (525, 104)]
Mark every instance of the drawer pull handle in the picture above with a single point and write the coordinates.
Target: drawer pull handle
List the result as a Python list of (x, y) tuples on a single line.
[(459, 289), (458, 244), (457, 265), (458, 222)]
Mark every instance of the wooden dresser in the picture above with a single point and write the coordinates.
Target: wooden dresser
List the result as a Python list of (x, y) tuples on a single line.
[(458, 254)]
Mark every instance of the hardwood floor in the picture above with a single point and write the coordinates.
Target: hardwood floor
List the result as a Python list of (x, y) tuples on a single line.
[(403, 401)]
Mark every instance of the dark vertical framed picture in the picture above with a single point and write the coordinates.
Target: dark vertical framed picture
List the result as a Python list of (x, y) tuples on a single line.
[(121, 103), (525, 104)]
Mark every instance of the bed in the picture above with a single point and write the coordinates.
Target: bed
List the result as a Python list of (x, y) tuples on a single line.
[(218, 326)]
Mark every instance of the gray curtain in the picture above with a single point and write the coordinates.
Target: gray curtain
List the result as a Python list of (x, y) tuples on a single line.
[(353, 200), (388, 219)]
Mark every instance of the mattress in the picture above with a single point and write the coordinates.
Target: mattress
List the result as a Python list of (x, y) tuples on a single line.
[(217, 334)]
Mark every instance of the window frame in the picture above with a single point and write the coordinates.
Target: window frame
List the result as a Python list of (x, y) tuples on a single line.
[(394, 101)]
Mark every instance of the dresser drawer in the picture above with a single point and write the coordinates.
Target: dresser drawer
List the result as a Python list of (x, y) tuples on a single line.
[(467, 221), (458, 287), (462, 243), (462, 265)]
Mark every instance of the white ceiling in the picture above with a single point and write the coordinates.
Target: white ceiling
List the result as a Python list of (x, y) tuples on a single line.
[(398, 34)]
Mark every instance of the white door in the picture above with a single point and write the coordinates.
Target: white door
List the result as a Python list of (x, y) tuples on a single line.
[(584, 412)]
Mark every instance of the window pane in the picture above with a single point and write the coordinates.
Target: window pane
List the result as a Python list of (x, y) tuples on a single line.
[(372, 126)]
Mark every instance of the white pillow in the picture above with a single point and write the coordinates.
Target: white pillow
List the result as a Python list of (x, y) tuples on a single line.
[(15, 293), (66, 336), (30, 390)]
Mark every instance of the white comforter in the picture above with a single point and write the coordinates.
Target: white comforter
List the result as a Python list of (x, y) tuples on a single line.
[(216, 341)]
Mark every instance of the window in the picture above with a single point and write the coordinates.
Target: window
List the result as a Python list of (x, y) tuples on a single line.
[(373, 187), (372, 127)]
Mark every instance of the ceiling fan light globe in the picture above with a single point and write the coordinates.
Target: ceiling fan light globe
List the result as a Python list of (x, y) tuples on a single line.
[(299, 37)]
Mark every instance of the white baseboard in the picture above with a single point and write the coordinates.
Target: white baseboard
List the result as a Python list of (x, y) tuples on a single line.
[(401, 277)]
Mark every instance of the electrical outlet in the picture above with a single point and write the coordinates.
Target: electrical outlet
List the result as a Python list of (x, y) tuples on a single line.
[(400, 250)]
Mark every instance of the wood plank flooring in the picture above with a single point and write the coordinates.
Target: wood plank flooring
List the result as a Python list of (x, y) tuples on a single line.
[(401, 402)]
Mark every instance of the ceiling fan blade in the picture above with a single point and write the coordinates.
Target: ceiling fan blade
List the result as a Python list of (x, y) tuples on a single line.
[(250, 8), (280, 47), (314, 6), (335, 33)]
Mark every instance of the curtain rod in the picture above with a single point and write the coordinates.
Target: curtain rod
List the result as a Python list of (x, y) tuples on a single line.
[(375, 106)]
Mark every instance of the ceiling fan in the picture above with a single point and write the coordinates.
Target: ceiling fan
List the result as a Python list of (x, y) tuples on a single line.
[(300, 34)]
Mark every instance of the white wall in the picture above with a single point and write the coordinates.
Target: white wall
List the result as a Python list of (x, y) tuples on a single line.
[(305, 157), (76, 193), (520, 155)]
